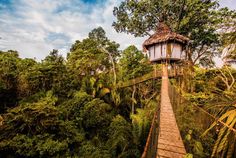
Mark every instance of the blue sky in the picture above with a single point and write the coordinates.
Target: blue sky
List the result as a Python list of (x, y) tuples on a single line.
[(35, 27)]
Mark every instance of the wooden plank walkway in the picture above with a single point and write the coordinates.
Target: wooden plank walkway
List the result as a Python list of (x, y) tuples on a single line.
[(170, 144)]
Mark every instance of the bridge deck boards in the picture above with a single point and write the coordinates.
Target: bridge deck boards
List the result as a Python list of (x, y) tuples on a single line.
[(170, 144)]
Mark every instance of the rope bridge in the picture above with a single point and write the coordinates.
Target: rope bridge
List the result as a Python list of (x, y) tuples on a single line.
[(152, 75), (164, 139), (151, 143)]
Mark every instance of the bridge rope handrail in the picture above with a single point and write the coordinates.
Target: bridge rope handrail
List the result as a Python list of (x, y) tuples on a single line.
[(152, 75), (149, 138), (206, 112), (141, 79), (215, 118)]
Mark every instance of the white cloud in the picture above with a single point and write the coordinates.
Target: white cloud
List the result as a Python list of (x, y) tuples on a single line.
[(27, 27)]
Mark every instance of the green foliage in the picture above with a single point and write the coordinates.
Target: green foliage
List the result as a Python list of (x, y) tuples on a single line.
[(89, 150), (25, 85), (141, 18), (120, 139), (94, 87), (99, 35), (87, 58), (133, 63), (58, 108), (73, 108), (198, 149), (36, 130), (95, 116), (226, 139), (141, 122), (213, 85), (8, 76), (214, 90), (188, 156), (228, 38), (192, 123)]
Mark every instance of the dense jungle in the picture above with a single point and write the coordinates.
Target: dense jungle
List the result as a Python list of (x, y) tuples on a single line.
[(74, 106)]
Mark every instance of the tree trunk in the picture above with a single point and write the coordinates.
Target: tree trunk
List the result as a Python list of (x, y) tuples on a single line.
[(133, 95), (113, 65)]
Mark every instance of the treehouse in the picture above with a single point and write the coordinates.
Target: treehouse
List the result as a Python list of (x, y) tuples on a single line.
[(165, 45)]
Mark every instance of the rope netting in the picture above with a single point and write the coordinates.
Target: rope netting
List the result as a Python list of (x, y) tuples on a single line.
[(201, 112), (151, 143), (194, 120)]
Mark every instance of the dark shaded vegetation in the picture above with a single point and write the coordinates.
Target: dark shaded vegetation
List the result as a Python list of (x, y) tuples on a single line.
[(71, 108)]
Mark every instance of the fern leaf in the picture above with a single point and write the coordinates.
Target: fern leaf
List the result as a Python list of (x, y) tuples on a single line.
[(220, 135)]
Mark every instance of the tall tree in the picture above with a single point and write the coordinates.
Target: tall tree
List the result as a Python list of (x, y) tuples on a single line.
[(54, 72), (109, 47), (192, 18), (93, 55), (86, 59), (227, 27), (133, 63), (26, 84)]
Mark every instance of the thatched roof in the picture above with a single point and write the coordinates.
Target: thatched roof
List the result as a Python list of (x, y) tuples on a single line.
[(163, 34)]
